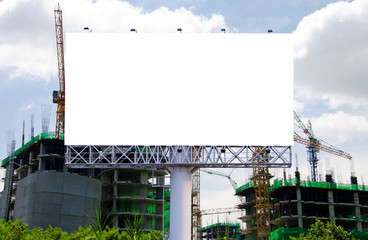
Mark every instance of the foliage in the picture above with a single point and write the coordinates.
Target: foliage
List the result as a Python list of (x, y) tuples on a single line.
[(329, 231), (18, 230), (13, 230), (50, 233), (136, 231), (99, 225), (226, 235)]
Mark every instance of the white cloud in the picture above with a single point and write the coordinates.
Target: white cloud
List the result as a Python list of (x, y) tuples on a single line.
[(27, 32), (298, 106), (27, 107), (331, 53), (340, 127)]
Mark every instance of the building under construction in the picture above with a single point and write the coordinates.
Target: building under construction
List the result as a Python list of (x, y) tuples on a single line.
[(221, 231), (296, 204), (40, 190)]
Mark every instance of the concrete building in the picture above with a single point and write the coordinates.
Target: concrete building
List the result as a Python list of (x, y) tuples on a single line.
[(220, 231), (40, 190), (297, 204), (128, 193)]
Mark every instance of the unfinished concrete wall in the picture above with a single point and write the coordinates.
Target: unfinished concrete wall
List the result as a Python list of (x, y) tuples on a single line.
[(59, 199)]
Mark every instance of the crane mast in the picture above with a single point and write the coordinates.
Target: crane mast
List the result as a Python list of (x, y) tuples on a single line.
[(261, 178), (59, 96)]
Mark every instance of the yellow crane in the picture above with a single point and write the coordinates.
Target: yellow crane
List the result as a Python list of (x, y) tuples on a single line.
[(261, 178), (59, 96)]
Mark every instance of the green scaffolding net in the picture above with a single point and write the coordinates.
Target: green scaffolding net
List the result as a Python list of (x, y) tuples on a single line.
[(286, 233), (50, 135), (360, 235), (277, 183)]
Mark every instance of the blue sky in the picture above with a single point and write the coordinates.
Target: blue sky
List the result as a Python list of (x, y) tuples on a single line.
[(331, 63)]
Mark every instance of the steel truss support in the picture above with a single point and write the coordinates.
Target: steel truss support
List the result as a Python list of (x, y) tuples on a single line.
[(261, 179), (113, 156)]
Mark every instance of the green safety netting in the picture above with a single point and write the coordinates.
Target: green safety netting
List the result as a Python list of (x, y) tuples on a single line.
[(50, 135), (277, 183), (237, 225), (221, 224), (245, 186), (286, 233), (151, 208), (295, 182), (129, 190), (128, 206), (360, 235)]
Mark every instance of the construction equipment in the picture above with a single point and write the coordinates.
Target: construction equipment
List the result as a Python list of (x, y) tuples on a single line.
[(314, 146), (196, 213), (59, 96), (261, 178), (311, 149), (228, 176), (219, 211), (9, 179), (322, 147)]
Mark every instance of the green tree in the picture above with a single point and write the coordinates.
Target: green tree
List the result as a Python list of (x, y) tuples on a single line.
[(325, 231), (13, 230)]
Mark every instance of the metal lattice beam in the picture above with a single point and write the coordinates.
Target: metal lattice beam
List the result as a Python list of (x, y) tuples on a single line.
[(93, 156)]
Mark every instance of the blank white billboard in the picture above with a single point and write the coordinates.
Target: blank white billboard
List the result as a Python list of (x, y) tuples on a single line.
[(179, 89)]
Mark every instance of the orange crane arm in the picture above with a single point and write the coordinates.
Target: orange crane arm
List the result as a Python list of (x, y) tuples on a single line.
[(322, 147)]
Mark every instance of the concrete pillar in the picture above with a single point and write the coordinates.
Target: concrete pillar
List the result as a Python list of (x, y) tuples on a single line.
[(42, 149), (357, 212), (356, 198), (180, 200), (116, 175), (29, 170), (331, 208), (40, 163), (65, 168), (144, 177), (143, 191), (299, 206), (115, 194)]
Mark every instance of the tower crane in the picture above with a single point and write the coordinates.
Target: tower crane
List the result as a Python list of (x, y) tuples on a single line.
[(59, 96), (219, 211), (261, 178), (311, 149), (314, 146)]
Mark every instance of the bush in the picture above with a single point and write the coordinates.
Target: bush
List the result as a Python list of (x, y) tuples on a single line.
[(13, 230), (329, 231), (18, 230)]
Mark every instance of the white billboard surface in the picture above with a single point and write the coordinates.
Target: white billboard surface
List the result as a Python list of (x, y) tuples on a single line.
[(179, 89)]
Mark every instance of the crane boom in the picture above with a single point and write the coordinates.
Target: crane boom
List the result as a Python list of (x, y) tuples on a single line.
[(232, 182), (59, 97), (322, 147), (219, 211)]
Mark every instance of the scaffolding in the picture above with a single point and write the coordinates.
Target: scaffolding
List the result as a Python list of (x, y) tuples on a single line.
[(261, 178)]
